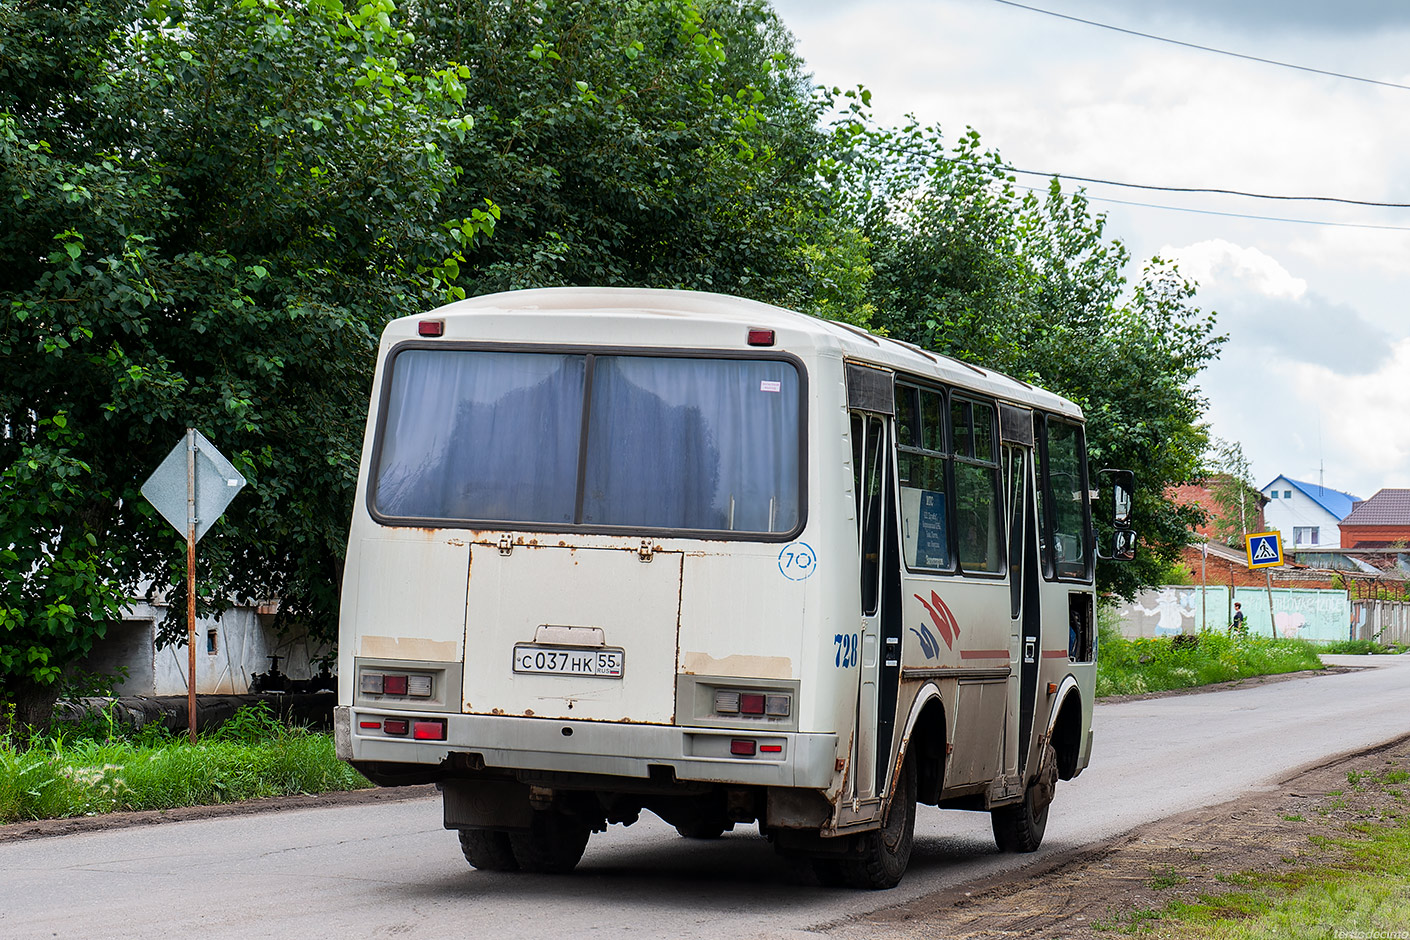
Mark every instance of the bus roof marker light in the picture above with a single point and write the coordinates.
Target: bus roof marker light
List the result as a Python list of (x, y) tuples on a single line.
[(430, 327), (761, 337)]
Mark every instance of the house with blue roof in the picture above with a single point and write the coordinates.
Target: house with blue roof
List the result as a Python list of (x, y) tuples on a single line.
[(1306, 514)]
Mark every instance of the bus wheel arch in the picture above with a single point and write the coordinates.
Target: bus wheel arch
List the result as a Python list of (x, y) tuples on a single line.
[(1065, 734), (928, 738)]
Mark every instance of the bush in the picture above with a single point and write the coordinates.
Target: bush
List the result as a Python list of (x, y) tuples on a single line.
[(1362, 648), (252, 755), (1133, 666)]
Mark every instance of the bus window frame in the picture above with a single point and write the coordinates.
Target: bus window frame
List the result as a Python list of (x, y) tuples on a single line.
[(384, 394), (996, 469), (947, 466), (949, 456), (1047, 562)]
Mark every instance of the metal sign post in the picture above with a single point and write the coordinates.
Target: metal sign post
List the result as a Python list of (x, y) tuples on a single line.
[(191, 489), (1265, 550), (191, 581)]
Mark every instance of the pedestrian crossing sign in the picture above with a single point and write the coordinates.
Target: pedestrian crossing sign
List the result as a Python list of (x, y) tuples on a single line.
[(1265, 549)]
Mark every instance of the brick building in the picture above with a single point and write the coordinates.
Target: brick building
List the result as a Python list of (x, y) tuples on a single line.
[(1383, 521), (1201, 493)]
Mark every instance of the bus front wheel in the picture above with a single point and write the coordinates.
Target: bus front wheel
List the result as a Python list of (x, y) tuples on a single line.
[(1019, 827)]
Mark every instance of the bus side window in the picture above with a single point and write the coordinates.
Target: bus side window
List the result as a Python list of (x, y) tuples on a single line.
[(977, 493), (1066, 553), (920, 461)]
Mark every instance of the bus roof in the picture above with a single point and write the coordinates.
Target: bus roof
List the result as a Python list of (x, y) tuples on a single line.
[(678, 318)]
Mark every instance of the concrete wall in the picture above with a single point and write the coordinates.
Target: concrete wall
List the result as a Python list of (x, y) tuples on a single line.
[(1297, 612), (242, 646)]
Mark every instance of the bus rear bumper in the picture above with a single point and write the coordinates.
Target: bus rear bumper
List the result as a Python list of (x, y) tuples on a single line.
[(778, 759)]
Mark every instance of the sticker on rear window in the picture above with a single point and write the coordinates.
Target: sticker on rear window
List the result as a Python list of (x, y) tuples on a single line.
[(767, 386)]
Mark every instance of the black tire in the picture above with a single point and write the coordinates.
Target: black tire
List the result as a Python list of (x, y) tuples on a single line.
[(1019, 827), (886, 851), (553, 843), (488, 849)]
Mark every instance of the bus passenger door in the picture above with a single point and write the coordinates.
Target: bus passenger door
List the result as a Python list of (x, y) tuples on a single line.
[(872, 735), (1026, 636)]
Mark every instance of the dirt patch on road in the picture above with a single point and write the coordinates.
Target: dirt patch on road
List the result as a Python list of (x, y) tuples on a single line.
[(62, 827), (1117, 884)]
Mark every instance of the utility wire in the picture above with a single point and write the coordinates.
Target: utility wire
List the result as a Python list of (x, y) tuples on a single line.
[(1201, 189), (1230, 215), (1191, 45), (898, 148)]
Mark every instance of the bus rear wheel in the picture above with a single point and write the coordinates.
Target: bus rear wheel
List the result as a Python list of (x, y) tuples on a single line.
[(886, 851), (553, 843), (488, 849), (1019, 827)]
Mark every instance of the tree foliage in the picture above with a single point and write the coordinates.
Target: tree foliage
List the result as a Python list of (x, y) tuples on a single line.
[(206, 214), (1232, 486), (208, 211), (964, 262)]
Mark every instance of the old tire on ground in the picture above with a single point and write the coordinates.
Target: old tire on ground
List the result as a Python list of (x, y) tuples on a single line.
[(553, 843), (1019, 827), (488, 849), (886, 851)]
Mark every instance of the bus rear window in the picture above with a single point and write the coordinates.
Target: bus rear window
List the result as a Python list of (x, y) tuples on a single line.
[(696, 444)]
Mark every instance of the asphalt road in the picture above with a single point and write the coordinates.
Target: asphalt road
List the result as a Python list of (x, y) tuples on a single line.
[(390, 870)]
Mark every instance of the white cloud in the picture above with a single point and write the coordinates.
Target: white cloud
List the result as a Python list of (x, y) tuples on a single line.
[(1216, 261), (1367, 434)]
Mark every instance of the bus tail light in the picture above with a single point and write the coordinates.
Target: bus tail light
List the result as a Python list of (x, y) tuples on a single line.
[(756, 704), (397, 726), (409, 685), (742, 747), (432, 730), (370, 725)]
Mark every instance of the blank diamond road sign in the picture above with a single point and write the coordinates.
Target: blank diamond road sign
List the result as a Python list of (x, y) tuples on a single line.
[(217, 482)]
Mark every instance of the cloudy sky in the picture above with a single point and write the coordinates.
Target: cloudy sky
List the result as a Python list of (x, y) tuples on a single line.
[(1315, 379)]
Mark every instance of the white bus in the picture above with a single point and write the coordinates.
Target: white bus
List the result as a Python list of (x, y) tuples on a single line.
[(622, 550)]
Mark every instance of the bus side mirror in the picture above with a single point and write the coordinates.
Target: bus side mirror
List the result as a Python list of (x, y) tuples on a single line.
[(1123, 537)]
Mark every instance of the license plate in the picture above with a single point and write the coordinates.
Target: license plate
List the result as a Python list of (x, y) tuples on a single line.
[(568, 661)]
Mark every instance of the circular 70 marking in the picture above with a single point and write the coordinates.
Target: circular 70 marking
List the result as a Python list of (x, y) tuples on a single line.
[(797, 561)]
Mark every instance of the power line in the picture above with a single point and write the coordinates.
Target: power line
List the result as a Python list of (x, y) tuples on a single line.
[(1230, 215), (1191, 45), (1207, 190)]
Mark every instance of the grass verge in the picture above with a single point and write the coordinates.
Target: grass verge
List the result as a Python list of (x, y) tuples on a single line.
[(1363, 648), (1358, 886), (1133, 666), (91, 771)]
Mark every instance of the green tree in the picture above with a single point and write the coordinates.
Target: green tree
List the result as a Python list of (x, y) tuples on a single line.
[(207, 212), (654, 143), (1231, 484), (1025, 282)]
